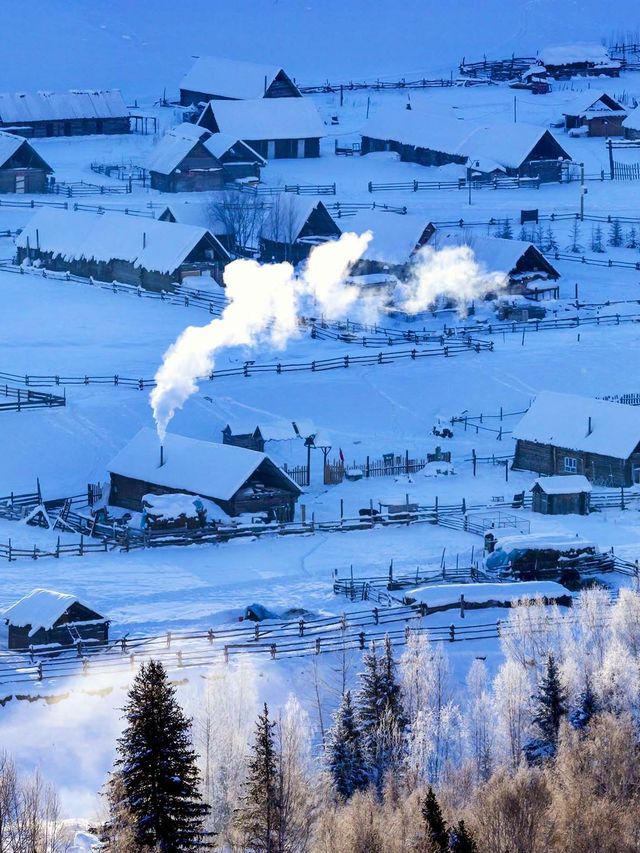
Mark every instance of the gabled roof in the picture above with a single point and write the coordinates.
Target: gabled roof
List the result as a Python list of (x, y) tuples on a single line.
[(267, 118), (395, 237), (497, 254), (205, 468), (562, 420), (41, 608), (592, 103), (200, 213), (228, 78), (10, 145), (58, 106), (568, 484), (180, 141), (285, 221), (146, 243), (632, 121)]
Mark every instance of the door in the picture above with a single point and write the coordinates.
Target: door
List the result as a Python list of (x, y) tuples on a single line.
[(21, 181), (635, 474), (271, 149)]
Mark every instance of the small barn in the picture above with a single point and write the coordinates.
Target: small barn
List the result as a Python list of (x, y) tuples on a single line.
[(569, 434), (597, 113), (75, 113), (234, 478), (631, 124), (396, 240), (114, 247), (22, 169), (586, 60), (561, 495), (276, 128), (190, 158), (48, 618), (212, 78), (293, 226)]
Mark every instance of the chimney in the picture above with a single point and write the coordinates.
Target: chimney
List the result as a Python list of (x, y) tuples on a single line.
[(144, 239), (589, 429), (161, 455)]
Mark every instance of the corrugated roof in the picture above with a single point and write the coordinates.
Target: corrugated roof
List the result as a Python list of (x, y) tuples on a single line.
[(268, 118), (229, 78), (24, 107)]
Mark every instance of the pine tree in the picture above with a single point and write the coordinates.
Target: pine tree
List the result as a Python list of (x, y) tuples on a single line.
[(632, 238), (343, 751), (574, 245), (523, 235), (461, 840), (550, 242), (259, 816), (156, 781), (550, 708), (506, 231), (615, 233), (436, 829), (597, 243), (587, 707), (391, 686)]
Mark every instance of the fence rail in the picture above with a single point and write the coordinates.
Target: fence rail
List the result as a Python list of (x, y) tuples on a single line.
[(21, 399), (460, 184), (379, 85), (148, 210)]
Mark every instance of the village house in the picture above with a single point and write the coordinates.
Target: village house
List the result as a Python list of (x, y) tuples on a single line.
[(396, 239), (235, 479), (486, 151), (22, 169), (568, 434), (595, 114), (75, 113), (276, 128), (293, 226), (190, 158), (202, 214), (631, 124), (114, 247), (48, 618), (561, 495), (252, 440), (212, 78), (569, 60)]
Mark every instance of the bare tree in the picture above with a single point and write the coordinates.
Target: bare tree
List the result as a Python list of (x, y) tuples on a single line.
[(241, 214), (281, 224)]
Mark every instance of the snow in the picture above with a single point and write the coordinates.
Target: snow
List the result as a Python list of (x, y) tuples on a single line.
[(297, 210), (58, 106), (269, 118), (146, 243), (479, 593), (632, 121), (558, 541), (578, 52), (9, 144), (563, 485), (563, 420), (202, 467), (495, 254), (41, 608), (395, 237), (591, 103), (229, 78), (178, 143), (174, 505)]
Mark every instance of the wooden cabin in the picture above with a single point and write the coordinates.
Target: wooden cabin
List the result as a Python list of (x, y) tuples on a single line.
[(22, 169), (595, 114), (250, 440), (585, 60), (631, 124), (190, 158), (75, 113), (293, 226), (486, 151), (276, 128), (568, 434), (212, 78), (396, 240), (235, 479), (562, 495), (48, 618), (114, 247)]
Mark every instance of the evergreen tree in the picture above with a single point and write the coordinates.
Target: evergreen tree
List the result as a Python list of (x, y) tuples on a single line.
[(436, 829), (461, 840), (550, 707), (259, 816), (343, 751), (523, 235), (597, 242), (586, 708), (156, 780), (574, 245), (632, 238), (506, 231), (550, 242), (615, 233), (391, 686)]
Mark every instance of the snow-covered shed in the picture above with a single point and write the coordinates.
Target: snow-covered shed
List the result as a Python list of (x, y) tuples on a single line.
[(277, 128), (631, 124), (213, 78), (587, 59), (22, 169), (190, 158), (561, 495), (48, 618), (293, 226), (569, 434), (74, 113), (114, 247), (598, 112), (488, 150), (396, 240), (236, 479)]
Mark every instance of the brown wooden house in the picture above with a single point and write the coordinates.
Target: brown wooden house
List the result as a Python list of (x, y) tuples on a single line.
[(75, 113), (598, 113), (236, 479), (113, 247), (48, 618), (293, 226), (189, 158), (212, 78), (22, 169), (568, 434), (561, 495)]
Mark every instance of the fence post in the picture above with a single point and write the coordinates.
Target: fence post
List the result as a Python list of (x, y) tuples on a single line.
[(452, 633), (622, 497), (462, 606), (272, 650), (318, 645)]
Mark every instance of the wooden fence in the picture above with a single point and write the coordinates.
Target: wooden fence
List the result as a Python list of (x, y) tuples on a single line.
[(20, 399), (377, 85), (460, 184), (71, 189), (497, 69)]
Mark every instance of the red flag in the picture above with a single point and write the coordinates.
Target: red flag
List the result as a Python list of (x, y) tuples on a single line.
[(341, 456)]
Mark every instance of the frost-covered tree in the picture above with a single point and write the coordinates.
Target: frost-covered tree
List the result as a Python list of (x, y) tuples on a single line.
[(505, 231), (511, 691), (625, 621), (550, 707), (574, 239), (156, 777), (632, 238), (616, 236), (586, 708), (550, 243), (343, 751), (597, 240), (479, 721), (296, 780), (435, 827)]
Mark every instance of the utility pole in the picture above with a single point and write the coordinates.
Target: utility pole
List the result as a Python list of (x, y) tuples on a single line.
[(515, 109)]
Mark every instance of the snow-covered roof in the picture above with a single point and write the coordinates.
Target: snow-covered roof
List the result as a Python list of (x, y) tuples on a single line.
[(268, 118), (202, 467), (632, 121), (146, 243), (200, 213), (563, 420), (395, 236), (563, 542), (563, 484), (58, 106), (438, 595), (286, 221), (180, 141), (229, 78), (9, 144), (592, 103), (496, 254), (569, 54), (41, 608)]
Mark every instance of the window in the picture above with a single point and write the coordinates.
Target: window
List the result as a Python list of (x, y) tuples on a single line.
[(570, 464)]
